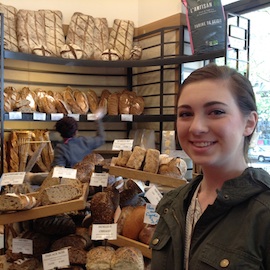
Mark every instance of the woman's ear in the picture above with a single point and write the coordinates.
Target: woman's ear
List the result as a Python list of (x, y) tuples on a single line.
[(251, 123)]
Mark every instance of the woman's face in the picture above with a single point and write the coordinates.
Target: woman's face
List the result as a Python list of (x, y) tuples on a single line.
[(210, 126)]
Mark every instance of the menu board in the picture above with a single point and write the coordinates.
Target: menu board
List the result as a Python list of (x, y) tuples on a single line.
[(206, 25)]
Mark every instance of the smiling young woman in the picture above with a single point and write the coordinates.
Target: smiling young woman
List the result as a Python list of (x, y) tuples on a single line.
[(212, 222)]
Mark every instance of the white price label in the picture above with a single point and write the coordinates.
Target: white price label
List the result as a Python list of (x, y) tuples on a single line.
[(104, 231), (123, 145), (56, 116), (91, 117), (153, 195), (99, 179), (39, 116), (15, 115), (56, 259), (150, 216), (75, 116), (13, 178), (64, 172), (127, 117), (21, 245)]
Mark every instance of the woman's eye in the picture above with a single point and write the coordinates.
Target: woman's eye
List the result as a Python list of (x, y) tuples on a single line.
[(217, 112), (184, 114)]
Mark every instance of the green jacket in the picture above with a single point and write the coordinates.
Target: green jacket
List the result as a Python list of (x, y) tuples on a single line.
[(233, 233)]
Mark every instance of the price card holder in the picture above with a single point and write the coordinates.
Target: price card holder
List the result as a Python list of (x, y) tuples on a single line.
[(13, 178), (64, 172), (127, 117), (39, 116), (153, 195), (104, 231), (75, 116), (151, 216), (56, 116), (21, 245), (15, 115), (91, 117), (56, 259), (123, 145), (99, 179)]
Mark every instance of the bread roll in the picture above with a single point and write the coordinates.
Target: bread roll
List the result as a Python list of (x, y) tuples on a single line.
[(99, 258), (134, 223), (127, 258), (136, 159)]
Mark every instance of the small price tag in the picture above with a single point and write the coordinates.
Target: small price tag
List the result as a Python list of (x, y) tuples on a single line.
[(2, 245), (153, 195), (150, 216), (22, 245), (55, 260), (99, 179), (56, 116), (39, 116), (75, 116), (13, 178), (64, 172), (91, 117), (127, 117), (104, 231), (15, 115), (123, 145)]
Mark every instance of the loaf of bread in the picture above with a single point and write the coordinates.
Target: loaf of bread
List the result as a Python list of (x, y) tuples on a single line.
[(173, 167), (134, 223), (10, 27), (41, 50), (151, 163), (71, 102), (59, 193), (25, 264), (81, 33), (127, 258), (82, 101), (77, 255), (71, 51), (146, 233), (136, 159), (137, 106), (136, 52), (92, 100), (102, 208), (58, 225), (110, 55), (121, 37), (100, 37), (113, 102), (15, 202), (125, 212), (99, 258), (72, 240), (123, 157)]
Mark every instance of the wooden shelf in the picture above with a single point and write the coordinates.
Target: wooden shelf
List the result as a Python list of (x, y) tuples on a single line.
[(47, 210), (145, 176), (122, 241)]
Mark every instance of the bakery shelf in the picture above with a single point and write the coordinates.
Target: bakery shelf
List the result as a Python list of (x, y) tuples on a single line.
[(47, 210), (122, 241), (107, 118), (145, 176), (115, 64)]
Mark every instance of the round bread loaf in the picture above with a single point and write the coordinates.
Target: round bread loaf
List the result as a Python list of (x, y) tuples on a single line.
[(99, 258), (127, 258), (71, 51), (41, 50), (110, 55), (125, 212), (72, 240), (134, 223)]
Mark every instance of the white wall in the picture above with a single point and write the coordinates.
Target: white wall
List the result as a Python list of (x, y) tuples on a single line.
[(141, 12)]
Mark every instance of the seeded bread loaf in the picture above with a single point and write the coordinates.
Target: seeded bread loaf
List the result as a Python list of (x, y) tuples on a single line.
[(59, 193), (14, 202), (151, 163)]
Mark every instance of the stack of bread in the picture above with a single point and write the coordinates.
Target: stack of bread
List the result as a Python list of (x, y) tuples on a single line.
[(150, 160), (72, 101)]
